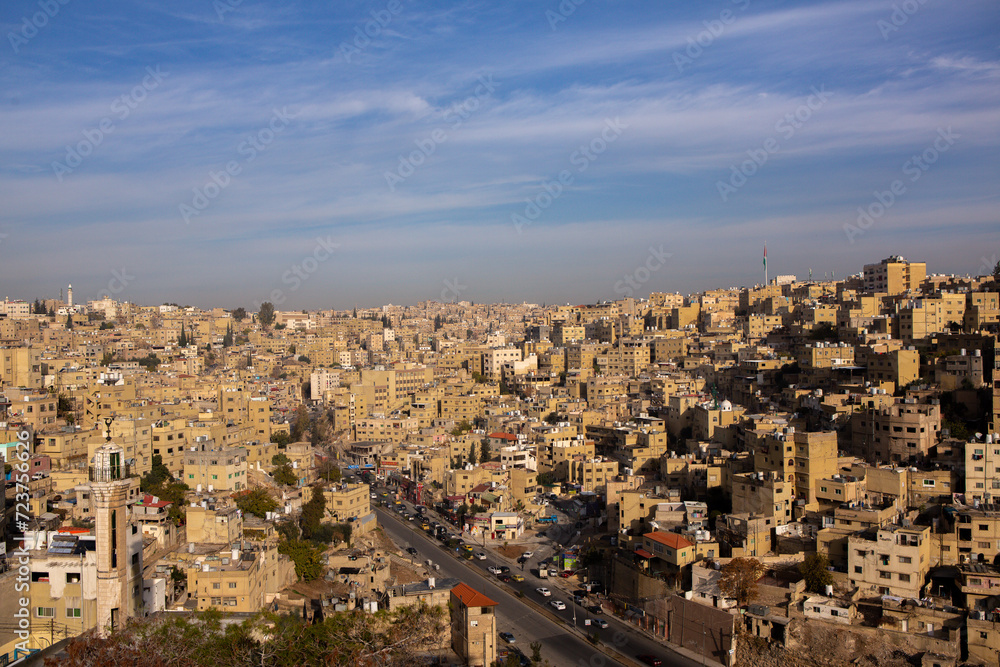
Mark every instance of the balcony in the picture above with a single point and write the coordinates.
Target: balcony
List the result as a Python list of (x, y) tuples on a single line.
[(110, 474)]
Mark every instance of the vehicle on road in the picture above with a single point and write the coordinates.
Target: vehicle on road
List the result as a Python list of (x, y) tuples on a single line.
[(507, 637), (527, 554), (493, 569), (553, 572), (566, 574), (595, 609), (601, 623), (558, 604), (543, 591), (650, 660), (504, 569), (467, 548), (412, 551), (481, 556), (517, 577), (505, 578)]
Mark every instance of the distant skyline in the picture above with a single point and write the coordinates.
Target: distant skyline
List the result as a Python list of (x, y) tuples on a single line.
[(226, 153)]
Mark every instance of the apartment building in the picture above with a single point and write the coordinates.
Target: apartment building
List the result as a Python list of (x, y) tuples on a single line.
[(982, 470), (347, 502), (215, 468), (243, 579), (894, 275), (766, 494), (591, 474), (473, 626), (893, 560), (213, 524), (902, 433)]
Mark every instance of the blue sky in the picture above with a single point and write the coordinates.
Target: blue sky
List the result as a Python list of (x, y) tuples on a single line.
[(232, 152)]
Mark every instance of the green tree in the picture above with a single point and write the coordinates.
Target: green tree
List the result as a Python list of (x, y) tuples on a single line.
[(300, 424), (552, 418), (182, 340), (308, 558), (158, 474), (227, 340), (329, 470), (484, 451), (280, 438), (239, 314), (536, 652), (996, 271), (437, 322), (256, 501), (472, 453), (266, 313), (815, 568), (285, 475), (462, 427), (69, 322), (312, 513)]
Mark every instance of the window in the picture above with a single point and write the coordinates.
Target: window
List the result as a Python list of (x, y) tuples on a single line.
[(45, 612), (216, 585), (904, 577), (72, 612), (905, 560), (232, 584), (858, 569)]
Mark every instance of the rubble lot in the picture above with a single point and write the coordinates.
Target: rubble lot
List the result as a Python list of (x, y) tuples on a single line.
[(825, 649), (512, 551)]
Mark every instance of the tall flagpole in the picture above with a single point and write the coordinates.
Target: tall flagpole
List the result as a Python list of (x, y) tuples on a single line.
[(765, 263)]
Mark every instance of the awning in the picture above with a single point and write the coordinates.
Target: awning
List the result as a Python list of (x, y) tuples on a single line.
[(643, 553)]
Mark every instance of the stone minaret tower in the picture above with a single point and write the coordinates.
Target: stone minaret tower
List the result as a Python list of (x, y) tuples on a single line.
[(69, 296), (109, 483)]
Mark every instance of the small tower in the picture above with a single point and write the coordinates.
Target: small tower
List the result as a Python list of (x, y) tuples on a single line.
[(109, 483), (69, 296)]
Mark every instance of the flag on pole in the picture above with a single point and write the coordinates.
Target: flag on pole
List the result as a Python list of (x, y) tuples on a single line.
[(765, 254)]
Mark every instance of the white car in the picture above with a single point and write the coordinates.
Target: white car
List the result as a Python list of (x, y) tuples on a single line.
[(493, 569), (482, 556), (543, 591), (558, 604), (527, 554)]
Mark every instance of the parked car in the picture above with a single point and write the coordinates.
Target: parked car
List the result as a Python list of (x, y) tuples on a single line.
[(566, 574), (493, 569), (543, 591), (558, 604), (650, 660), (411, 551), (601, 623), (595, 609), (507, 637), (504, 569), (517, 577), (527, 554), (505, 578), (481, 556)]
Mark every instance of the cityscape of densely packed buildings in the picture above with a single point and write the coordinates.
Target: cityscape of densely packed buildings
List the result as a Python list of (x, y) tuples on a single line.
[(839, 435)]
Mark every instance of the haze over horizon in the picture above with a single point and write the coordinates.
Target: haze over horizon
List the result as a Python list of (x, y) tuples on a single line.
[(217, 154)]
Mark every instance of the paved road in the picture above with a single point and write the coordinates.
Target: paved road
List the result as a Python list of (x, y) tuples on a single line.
[(560, 646)]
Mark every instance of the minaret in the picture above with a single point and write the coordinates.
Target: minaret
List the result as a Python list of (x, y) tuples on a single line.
[(69, 296), (109, 483)]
